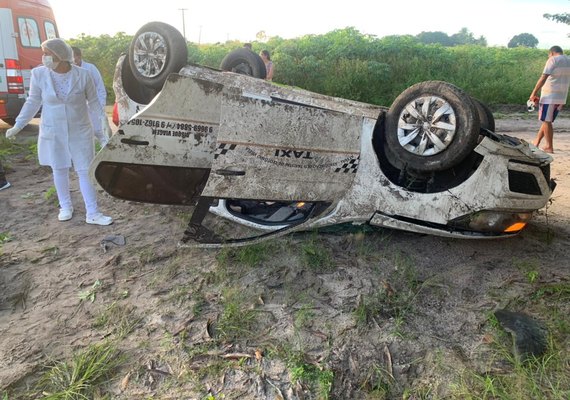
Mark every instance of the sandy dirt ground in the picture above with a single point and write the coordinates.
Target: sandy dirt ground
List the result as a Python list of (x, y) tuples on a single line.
[(436, 326)]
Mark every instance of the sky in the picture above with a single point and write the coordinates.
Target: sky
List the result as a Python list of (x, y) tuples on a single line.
[(211, 21)]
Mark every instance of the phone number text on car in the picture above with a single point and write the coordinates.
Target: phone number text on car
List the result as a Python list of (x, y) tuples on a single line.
[(171, 125)]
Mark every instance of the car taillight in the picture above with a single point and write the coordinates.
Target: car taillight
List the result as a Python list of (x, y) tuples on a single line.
[(116, 114), (14, 77)]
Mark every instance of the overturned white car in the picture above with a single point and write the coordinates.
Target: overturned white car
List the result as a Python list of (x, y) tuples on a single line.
[(270, 159)]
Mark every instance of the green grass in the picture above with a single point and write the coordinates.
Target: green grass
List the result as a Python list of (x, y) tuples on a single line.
[(367, 308), (234, 261), (51, 196), (167, 273), (558, 292), (370, 243), (529, 268), (303, 317), (316, 255), (91, 293), (199, 303), (238, 318), (248, 256), (379, 383), (179, 295), (117, 318), (84, 375), (146, 255), (393, 298), (315, 377), (12, 148), (543, 378), (254, 255), (5, 237)]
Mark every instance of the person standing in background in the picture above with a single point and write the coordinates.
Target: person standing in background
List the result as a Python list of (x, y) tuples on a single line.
[(268, 64), (99, 87), (553, 87), (65, 93)]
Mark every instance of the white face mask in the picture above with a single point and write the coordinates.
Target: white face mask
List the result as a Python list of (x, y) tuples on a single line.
[(48, 62)]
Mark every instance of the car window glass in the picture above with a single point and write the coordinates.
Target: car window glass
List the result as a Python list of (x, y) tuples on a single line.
[(152, 183), (29, 33), (51, 32)]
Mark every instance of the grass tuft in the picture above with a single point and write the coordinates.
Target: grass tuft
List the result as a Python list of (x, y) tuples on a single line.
[(83, 376), (238, 319), (118, 318), (51, 196), (313, 376)]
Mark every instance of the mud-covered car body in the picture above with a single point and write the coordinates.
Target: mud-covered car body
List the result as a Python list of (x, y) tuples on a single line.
[(279, 159)]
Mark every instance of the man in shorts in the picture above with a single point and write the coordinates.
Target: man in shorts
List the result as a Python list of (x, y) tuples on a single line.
[(553, 87)]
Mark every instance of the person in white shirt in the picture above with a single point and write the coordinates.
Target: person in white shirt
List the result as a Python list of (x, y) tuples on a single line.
[(99, 87), (64, 92), (553, 87)]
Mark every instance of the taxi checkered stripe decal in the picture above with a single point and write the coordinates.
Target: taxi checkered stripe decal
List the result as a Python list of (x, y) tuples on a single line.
[(223, 148), (349, 167)]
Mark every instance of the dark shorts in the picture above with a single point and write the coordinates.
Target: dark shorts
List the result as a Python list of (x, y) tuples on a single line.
[(548, 112)]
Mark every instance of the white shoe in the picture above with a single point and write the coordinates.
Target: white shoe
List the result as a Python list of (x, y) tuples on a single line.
[(99, 219), (65, 214), (4, 185)]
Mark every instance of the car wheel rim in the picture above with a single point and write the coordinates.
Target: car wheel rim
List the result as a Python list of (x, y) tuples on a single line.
[(150, 54), (426, 126)]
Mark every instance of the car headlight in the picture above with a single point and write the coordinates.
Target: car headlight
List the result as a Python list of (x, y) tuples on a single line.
[(493, 221)]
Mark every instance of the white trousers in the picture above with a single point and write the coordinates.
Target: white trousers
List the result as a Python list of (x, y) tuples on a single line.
[(61, 181)]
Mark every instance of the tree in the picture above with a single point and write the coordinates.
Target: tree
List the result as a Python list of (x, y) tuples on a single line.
[(465, 37), (563, 18), (434, 38), (460, 38), (523, 40)]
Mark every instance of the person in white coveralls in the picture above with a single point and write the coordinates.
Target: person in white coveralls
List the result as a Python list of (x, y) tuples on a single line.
[(97, 80), (64, 92)]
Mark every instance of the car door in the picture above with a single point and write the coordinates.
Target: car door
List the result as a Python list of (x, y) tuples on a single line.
[(271, 149)]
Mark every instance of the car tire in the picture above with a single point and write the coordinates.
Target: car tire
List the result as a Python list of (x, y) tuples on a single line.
[(156, 51), (136, 91), (244, 61), (432, 126), (486, 118)]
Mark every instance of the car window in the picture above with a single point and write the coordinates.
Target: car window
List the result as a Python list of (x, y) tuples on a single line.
[(51, 32), (29, 33)]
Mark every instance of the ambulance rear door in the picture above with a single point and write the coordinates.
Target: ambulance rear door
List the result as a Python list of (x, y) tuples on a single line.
[(8, 48)]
